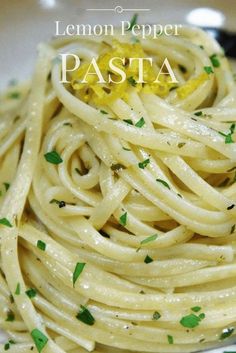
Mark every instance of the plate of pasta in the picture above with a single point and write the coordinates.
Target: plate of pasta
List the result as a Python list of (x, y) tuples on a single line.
[(118, 190)]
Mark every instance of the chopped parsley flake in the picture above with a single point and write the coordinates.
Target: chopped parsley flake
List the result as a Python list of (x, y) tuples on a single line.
[(59, 203), (228, 137), (196, 309), (78, 270), (123, 219), (17, 291), (148, 259), (140, 123), (208, 70), (103, 111), (232, 128), (132, 81), (128, 121), (4, 221), (149, 239), (31, 293), (85, 316), (191, 320), (10, 316), (214, 60), (41, 245), (156, 315), (227, 332), (181, 144), (143, 164), (7, 185), (163, 182), (14, 95), (230, 207), (8, 344), (170, 339), (39, 339), (198, 113), (133, 22), (53, 157), (232, 229)]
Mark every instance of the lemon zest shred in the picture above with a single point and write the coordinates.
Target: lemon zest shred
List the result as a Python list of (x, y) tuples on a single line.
[(190, 86), (105, 93)]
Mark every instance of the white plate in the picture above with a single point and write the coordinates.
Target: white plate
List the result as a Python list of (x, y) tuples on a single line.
[(24, 23)]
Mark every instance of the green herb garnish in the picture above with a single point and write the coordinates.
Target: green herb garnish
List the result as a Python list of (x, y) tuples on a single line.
[(143, 164), (140, 123), (181, 144), (14, 95), (228, 137), (4, 221), (132, 81), (191, 320), (103, 111), (227, 332), (31, 293), (214, 60), (53, 157), (17, 291), (128, 121), (7, 185), (198, 113), (78, 270), (208, 70), (170, 339), (10, 316), (41, 245), (149, 239), (156, 315), (85, 316), (59, 203), (232, 229), (163, 182), (6, 346), (39, 339), (133, 22), (196, 309), (123, 219), (148, 259)]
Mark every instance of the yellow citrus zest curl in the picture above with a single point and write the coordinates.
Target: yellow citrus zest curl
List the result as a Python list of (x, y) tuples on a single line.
[(105, 93)]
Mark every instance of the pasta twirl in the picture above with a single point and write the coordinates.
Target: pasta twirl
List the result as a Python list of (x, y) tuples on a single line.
[(117, 201)]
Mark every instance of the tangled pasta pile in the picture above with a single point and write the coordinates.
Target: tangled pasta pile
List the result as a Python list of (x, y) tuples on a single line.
[(117, 216)]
